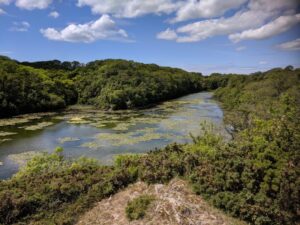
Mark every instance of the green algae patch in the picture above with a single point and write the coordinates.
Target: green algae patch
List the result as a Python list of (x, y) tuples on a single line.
[(98, 125), (38, 126), (132, 138), (67, 139), (123, 126), (13, 121), (92, 145), (5, 140), (24, 119), (22, 158), (4, 134), (78, 120), (146, 119)]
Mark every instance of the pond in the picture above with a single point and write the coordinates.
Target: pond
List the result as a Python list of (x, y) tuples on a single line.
[(85, 131)]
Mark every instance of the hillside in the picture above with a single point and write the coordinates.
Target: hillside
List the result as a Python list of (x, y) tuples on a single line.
[(173, 204), (108, 84), (254, 176)]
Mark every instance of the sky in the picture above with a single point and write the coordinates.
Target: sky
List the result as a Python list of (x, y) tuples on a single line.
[(227, 36)]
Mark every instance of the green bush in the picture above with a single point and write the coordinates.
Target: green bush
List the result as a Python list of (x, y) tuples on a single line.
[(136, 208), (254, 176)]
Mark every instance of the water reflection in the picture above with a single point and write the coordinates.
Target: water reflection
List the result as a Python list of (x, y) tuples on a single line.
[(84, 131)]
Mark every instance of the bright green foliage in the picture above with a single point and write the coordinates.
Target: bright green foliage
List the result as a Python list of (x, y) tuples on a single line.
[(158, 166), (108, 84), (255, 176), (136, 209), (120, 84), (25, 89), (258, 95), (51, 190)]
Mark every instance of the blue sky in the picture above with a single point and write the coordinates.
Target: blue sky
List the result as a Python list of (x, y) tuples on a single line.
[(207, 36)]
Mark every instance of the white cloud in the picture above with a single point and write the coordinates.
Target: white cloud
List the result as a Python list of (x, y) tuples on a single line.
[(33, 4), (208, 28), (257, 13), (277, 26), (2, 12), (240, 48), (5, 2), (102, 29), (205, 9), (54, 14), (263, 62), (20, 26), (290, 46), (167, 35), (131, 8), (28, 4)]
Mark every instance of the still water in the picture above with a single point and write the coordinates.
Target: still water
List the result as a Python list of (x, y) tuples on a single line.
[(84, 131)]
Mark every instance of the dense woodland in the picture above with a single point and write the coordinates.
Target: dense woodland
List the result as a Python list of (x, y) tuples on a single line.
[(108, 84), (255, 176)]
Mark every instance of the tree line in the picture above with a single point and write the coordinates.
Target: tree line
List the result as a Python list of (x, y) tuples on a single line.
[(27, 87)]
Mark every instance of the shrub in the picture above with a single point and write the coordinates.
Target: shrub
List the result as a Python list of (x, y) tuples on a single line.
[(136, 209)]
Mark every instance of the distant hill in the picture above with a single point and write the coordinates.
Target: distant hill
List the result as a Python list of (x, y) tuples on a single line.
[(108, 84)]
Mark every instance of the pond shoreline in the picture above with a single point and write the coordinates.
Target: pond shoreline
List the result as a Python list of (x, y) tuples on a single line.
[(87, 131)]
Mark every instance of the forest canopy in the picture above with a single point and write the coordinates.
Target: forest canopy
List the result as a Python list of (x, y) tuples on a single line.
[(108, 84)]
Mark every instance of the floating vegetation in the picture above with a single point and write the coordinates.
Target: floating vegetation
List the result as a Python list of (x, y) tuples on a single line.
[(13, 121), (67, 139), (22, 158), (131, 138), (3, 133), (5, 140), (93, 145), (147, 119), (78, 120), (38, 126), (24, 119), (98, 124), (123, 126)]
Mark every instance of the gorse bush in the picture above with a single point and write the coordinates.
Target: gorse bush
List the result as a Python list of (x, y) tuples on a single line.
[(136, 208), (254, 176), (51, 189)]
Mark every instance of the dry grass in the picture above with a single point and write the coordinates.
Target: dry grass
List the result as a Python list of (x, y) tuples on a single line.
[(175, 204)]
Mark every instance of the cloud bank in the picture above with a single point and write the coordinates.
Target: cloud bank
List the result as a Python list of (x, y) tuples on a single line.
[(102, 29), (259, 19), (290, 46)]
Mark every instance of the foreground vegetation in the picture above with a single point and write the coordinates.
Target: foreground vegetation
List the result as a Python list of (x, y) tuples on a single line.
[(254, 176), (108, 84), (136, 209)]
